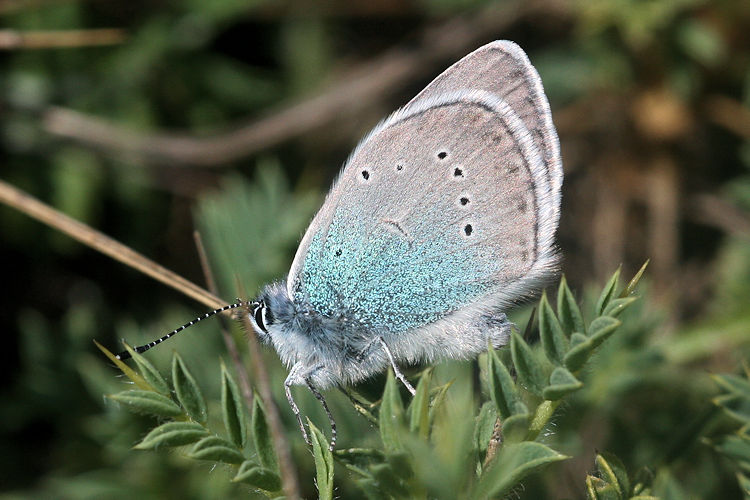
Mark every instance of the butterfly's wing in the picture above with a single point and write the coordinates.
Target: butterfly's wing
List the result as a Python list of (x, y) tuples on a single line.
[(447, 209)]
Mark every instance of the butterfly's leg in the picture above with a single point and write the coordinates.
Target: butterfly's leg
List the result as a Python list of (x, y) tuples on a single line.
[(323, 403), (292, 379), (396, 371)]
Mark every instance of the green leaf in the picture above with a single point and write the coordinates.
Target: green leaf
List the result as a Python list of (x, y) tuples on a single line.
[(528, 368), (391, 416), (580, 351), (172, 434), (148, 402), (618, 305), (216, 449), (438, 398), (735, 447), (516, 427), (129, 372), (233, 409), (187, 391), (612, 470), (485, 425), (419, 408), (568, 312), (323, 462), (554, 341), (608, 293), (630, 288), (599, 489), (259, 477), (503, 391), (601, 328), (733, 384), (513, 463), (149, 373), (262, 437), (561, 382), (736, 406)]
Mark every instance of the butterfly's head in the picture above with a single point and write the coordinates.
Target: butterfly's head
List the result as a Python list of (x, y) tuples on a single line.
[(271, 314), (261, 317)]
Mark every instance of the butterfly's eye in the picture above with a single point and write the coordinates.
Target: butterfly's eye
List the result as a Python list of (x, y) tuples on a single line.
[(260, 315)]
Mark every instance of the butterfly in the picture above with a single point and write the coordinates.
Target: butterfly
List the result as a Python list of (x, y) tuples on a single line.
[(443, 217)]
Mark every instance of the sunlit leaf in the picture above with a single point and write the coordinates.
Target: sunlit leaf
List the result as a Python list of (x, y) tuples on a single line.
[(618, 305), (561, 382), (323, 462), (608, 293), (568, 312), (633, 283), (148, 402), (613, 471), (391, 415), (528, 368), (419, 408), (513, 463), (601, 328), (580, 351), (216, 449), (172, 434), (257, 476), (554, 341), (129, 372), (149, 373)]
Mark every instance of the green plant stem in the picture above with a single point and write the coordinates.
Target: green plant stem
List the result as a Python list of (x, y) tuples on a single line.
[(542, 415)]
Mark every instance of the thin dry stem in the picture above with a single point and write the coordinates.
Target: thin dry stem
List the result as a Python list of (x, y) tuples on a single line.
[(90, 237), (14, 39)]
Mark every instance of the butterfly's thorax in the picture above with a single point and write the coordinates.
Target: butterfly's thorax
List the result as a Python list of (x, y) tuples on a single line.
[(335, 347)]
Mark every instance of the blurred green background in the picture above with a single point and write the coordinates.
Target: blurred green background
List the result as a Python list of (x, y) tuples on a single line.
[(149, 120)]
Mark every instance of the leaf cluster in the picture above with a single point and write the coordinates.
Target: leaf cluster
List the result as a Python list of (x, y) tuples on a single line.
[(183, 403)]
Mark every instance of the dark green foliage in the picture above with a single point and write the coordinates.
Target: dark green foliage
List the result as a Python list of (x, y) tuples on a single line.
[(148, 402)]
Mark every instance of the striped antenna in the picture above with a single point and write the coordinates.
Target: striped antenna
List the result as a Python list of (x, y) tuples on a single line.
[(146, 347)]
